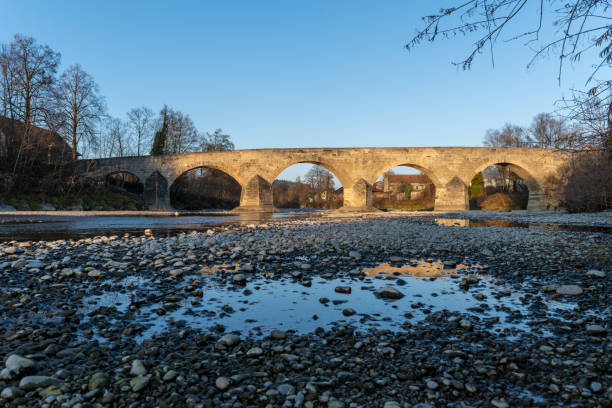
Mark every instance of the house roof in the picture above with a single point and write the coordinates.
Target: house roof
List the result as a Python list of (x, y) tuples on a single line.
[(408, 178), (39, 137)]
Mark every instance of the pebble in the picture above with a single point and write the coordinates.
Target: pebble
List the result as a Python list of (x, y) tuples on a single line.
[(10, 393), (389, 292), (349, 311), (229, 340), (138, 368), (17, 363), (593, 273), (140, 382), (569, 290), (222, 383), (595, 329), (37, 381)]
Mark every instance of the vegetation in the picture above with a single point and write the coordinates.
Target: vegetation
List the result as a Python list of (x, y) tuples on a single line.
[(317, 191), (577, 29), (94, 199)]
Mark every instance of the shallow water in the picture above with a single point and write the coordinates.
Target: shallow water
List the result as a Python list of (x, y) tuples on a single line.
[(24, 228), (267, 302), (459, 222)]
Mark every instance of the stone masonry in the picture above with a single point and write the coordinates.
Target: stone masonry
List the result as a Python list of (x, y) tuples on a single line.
[(451, 169)]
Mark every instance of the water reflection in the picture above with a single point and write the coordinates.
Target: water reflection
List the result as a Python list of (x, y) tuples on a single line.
[(458, 222), (422, 268)]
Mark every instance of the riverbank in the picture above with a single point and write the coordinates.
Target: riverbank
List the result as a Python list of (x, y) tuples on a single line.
[(385, 310)]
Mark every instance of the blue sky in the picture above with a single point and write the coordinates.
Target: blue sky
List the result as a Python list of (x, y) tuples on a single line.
[(294, 73)]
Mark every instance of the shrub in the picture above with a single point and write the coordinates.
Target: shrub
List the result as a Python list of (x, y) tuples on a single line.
[(587, 185)]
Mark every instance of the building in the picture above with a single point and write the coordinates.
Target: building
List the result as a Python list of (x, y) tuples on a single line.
[(46, 146), (395, 185)]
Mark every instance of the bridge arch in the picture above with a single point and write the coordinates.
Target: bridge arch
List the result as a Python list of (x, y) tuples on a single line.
[(385, 191), (293, 194), (209, 187), (125, 180), (536, 194)]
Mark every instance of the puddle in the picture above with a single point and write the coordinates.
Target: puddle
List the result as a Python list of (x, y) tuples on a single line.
[(457, 222), (267, 302)]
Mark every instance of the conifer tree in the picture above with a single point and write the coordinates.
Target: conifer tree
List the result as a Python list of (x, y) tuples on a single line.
[(159, 143)]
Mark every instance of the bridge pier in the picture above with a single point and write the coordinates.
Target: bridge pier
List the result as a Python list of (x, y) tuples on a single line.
[(536, 201), (156, 192), (358, 197), (256, 196), (453, 196)]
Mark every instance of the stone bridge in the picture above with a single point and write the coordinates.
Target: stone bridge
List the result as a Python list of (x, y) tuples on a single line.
[(451, 169)]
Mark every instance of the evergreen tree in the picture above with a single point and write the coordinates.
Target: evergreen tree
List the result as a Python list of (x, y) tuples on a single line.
[(161, 136)]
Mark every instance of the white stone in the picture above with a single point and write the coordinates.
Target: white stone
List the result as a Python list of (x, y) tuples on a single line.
[(17, 363), (222, 383), (569, 290), (229, 340), (595, 273), (138, 368)]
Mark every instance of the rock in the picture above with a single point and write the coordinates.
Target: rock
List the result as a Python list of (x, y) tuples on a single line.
[(148, 232), (10, 393), (554, 388), (98, 380), (286, 389), (396, 259), (140, 382), (355, 255), (595, 329), (138, 368), (278, 334), (7, 208), (7, 374), (466, 324), (37, 381), (596, 387), (222, 383), (499, 404), (391, 404), (431, 384), (17, 363), (569, 290), (389, 292), (229, 340), (50, 391), (94, 274), (254, 352), (343, 289), (593, 273), (239, 279), (47, 207), (335, 404), (349, 311), (170, 375)]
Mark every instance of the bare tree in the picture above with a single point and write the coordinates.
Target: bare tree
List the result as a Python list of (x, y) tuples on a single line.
[(113, 140), (182, 134), (78, 101), (141, 124), (216, 141), (548, 131), (579, 28), (28, 71), (509, 136)]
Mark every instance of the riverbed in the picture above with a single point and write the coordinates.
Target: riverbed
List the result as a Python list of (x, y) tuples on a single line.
[(386, 310)]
